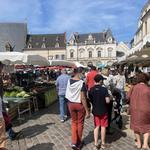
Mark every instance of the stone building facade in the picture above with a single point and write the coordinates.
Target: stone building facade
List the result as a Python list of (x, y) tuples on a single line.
[(142, 35), (122, 51), (50, 46), (94, 48)]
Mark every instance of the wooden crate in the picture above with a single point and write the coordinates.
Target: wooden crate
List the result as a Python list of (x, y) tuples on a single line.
[(13, 112)]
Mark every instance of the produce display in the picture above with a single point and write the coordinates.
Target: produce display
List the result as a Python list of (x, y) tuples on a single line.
[(19, 87), (16, 92)]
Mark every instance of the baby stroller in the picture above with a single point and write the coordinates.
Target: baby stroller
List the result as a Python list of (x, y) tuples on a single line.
[(117, 108)]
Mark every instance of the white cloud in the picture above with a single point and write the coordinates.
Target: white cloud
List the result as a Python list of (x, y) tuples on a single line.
[(51, 16)]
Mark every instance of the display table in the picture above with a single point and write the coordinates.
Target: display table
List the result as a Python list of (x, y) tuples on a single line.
[(19, 102), (46, 96), (40, 97)]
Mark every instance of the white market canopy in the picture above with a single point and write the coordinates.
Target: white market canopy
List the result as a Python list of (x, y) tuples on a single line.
[(65, 63), (22, 58)]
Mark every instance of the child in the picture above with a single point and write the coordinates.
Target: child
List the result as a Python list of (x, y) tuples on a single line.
[(99, 98)]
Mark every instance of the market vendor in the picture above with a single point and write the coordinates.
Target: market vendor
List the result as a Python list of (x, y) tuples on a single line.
[(42, 77)]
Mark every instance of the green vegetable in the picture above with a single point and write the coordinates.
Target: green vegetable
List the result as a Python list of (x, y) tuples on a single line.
[(13, 94), (26, 95), (6, 94)]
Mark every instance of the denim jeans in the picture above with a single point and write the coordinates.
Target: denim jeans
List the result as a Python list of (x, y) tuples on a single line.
[(62, 106), (11, 133), (122, 97)]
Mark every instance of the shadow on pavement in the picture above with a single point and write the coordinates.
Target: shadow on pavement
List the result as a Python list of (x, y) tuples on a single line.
[(125, 121), (34, 130), (89, 138), (52, 109), (43, 146), (115, 136), (109, 138)]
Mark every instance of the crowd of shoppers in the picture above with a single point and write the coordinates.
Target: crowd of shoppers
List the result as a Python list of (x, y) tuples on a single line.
[(100, 88), (95, 91)]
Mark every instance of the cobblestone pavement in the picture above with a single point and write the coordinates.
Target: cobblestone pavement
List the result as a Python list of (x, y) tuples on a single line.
[(44, 131)]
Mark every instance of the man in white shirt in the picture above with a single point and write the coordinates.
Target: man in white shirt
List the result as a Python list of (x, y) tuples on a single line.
[(120, 84)]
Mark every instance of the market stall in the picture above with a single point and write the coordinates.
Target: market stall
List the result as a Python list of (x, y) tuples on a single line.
[(27, 88), (22, 99), (65, 63), (22, 58)]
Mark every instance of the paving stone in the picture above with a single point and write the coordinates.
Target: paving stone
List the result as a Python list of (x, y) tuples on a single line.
[(44, 131)]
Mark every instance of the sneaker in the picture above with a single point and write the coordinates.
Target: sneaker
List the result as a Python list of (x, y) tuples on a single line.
[(62, 120), (97, 147), (81, 144), (16, 135), (74, 147), (66, 117)]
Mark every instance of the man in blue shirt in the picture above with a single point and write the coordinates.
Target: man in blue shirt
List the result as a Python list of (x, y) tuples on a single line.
[(61, 85)]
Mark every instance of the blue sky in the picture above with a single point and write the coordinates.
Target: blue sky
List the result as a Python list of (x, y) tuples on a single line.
[(83, 16)]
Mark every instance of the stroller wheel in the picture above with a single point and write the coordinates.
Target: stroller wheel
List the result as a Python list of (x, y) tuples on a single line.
[(120, 126), (120, 123)]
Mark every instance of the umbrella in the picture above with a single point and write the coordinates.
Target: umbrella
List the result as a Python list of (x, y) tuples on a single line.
[(77, 64), (22, 58), (65, 63), (61, 63)]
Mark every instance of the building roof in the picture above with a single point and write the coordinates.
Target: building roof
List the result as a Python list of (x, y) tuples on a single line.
[(97, 36), (46, 41), (100, 37), (13, 34), (145, 6)]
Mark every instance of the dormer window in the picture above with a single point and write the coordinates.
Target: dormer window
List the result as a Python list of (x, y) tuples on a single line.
[(36, 43), (29, 45), (43, 45), (90, 38), (109, 40), (71, 42), (44, 39), (57, 45), (57, 39), (30, 39)]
